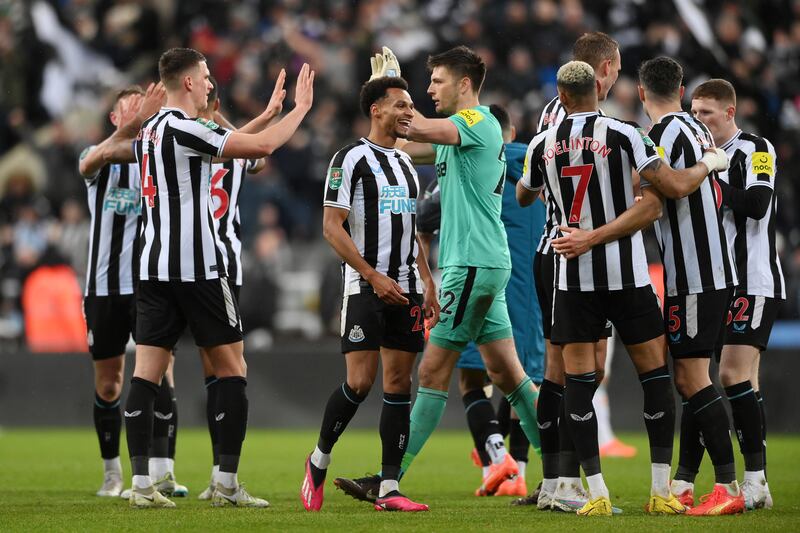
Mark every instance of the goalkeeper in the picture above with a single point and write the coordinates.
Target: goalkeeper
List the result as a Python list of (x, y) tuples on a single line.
[(468, 151)]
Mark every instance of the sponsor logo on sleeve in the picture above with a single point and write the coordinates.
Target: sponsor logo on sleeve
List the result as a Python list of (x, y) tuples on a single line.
[(645, 138), (470, 116), (661, 152), (210, 124), (335, 177), (763, 163)]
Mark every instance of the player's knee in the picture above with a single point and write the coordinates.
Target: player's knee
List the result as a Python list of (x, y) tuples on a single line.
[(730, 375), (396, 382), (431, 377), (361, 385), (109, 390)]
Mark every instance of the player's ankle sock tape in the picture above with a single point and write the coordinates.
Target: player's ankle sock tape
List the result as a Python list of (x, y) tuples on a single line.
[(211, 403), (504, 416), (139, 423), (425, 416), (481, 421), (231, 417), (108, 425), (691, 447), (710, 416), (394, 432), (582, 421), (523, 399), (340, 409), (747, 422), (550, 396), (659, 413), (517, 442)]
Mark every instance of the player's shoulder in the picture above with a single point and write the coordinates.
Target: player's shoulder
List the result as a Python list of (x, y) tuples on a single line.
[(348, 154), (475, 117), (550, 115), (400, 154), (750, 142)]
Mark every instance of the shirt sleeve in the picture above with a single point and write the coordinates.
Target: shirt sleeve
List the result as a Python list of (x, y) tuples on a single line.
[(200, 136), (644, 149), (472, 126), (761, 165), (339, 181), (532, 177), (85, 152)]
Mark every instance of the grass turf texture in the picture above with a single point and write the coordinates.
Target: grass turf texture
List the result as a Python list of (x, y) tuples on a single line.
[(49, 479)]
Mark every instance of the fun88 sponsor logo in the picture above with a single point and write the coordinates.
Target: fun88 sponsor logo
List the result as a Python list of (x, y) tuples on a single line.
[(122, 201), (394, 199)]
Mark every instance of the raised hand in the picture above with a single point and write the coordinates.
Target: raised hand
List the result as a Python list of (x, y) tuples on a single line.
[(304, 89), (153, 100), (275, 105)]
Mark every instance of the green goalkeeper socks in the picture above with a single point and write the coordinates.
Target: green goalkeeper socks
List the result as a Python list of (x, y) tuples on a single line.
[(425, 416), (523, 400)]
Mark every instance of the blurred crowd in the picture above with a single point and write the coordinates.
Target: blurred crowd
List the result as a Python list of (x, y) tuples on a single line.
[(61, 60)]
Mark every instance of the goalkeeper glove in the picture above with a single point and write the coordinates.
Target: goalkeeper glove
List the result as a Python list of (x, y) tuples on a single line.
[(715, 159), (384, 64)]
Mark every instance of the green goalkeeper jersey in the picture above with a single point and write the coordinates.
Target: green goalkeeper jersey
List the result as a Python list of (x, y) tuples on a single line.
[(471, 178)]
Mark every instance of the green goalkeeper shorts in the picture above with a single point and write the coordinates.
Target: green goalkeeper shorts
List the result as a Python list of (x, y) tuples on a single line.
[(473, 307)]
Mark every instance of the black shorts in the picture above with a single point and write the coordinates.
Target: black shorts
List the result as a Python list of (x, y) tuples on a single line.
[(750, 320), (208, 307), (110, 321), (583, 316), (544, 274), (369, 324), (695, 323)]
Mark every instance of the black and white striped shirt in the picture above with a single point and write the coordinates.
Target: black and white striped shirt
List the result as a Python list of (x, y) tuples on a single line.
[(114, 200), (694, 249), (552, 115), (753, 163), (178, 241), (226, 185), (585, 164), (379, 187)]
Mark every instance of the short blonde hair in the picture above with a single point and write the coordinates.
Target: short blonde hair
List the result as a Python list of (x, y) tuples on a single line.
[(576, 78)]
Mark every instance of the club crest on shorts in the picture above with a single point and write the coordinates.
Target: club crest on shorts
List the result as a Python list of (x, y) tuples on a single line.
[(356, 334)]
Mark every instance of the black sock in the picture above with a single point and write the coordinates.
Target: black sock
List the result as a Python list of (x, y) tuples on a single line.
[(763, 429), (107, 424), (139, 423), (550, 397), (659, 413), (172, 433), (709, 412), (691, 451), (504, 417), (747, 423), (340, 409), (517, 442), (211, 402), (582, 421), (394, 430), (231, 420), (162, 423), (568, 464), (481, 421)]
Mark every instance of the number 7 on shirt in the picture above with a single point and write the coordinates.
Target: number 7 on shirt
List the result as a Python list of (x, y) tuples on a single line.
[(584, 173)]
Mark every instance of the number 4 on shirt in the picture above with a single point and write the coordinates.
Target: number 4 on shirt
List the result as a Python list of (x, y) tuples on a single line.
[(148, 188), (584, 173)]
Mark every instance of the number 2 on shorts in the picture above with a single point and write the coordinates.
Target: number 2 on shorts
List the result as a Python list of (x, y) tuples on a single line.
[(584, 172)]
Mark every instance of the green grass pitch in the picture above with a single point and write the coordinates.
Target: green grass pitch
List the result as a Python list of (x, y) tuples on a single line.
[(49, 478)]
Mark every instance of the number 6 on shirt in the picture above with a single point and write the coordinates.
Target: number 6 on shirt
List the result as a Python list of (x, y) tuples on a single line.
[(584, 172)]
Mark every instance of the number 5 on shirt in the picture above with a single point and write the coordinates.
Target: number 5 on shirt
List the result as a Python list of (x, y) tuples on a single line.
[(584, 172)]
